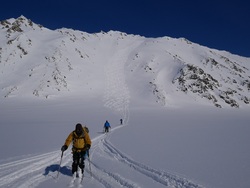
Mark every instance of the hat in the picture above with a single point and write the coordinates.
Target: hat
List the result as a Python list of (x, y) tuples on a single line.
[(79, 129), (78, 126)]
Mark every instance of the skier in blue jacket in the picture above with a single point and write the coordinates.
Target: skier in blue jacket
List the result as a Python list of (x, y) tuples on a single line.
[(106, 126)]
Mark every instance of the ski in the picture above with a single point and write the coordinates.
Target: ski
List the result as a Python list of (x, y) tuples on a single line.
[(59, 166), (72, 182), (76, 180)]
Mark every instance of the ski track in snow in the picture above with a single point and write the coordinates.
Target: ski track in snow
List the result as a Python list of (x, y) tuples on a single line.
[(26, 172), (31, 171), (161, 177), (116, 94)]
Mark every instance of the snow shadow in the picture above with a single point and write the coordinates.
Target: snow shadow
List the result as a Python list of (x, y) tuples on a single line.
[(65, 170)]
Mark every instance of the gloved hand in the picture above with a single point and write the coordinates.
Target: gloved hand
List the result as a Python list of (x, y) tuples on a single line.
[(64, 147), (86, 147)]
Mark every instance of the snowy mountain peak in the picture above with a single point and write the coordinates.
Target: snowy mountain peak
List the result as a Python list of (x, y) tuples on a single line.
[(21, 24), (38, 62)]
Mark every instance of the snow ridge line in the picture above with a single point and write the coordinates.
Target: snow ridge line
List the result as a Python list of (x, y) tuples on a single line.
[(162, 177), (116, 94)]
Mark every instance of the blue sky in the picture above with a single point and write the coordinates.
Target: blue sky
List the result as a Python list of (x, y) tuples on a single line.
[(221, 24)]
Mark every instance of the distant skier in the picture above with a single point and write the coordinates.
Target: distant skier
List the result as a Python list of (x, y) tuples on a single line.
[(121, 121), (81, 145), (106, 126)]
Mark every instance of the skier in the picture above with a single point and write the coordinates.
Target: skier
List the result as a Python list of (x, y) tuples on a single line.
[(81, 145), (121, 121), (106, 126)]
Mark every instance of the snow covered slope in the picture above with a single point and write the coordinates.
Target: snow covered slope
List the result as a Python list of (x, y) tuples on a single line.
[(166, 90), (36, 61)]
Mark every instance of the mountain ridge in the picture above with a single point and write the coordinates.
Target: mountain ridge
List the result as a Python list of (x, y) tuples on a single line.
[(36, 61)]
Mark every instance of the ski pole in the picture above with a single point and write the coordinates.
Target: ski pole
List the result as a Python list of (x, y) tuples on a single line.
[(59, 165), (89, 163)]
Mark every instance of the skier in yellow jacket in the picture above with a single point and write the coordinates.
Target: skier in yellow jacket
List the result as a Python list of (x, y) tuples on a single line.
[(81, 143)]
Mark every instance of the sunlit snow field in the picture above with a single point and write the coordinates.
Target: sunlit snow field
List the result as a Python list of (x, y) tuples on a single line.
[(158, 147)]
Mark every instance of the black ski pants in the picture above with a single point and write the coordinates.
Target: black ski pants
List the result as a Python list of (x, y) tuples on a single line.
[(78, 160), (106, 129)]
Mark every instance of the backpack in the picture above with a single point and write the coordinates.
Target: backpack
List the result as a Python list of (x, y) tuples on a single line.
[(86, 129), (78, 141)]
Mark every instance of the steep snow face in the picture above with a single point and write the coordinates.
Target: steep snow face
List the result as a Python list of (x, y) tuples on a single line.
[(173, 66), (38, 62)]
